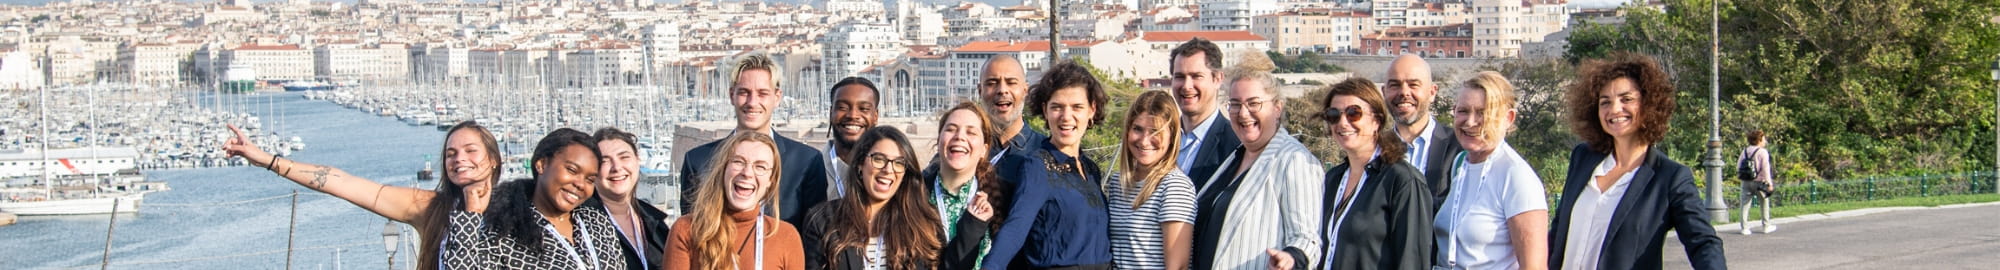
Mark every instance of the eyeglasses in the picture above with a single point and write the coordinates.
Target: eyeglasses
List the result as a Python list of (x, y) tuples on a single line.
[(759, 170), (1352, 113), (883, 162), (1253, 105)]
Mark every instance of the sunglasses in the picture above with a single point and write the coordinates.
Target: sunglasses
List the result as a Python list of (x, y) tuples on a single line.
[(1352, 114)]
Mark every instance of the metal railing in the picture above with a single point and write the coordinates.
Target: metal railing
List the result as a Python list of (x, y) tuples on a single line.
[(1871, 188)]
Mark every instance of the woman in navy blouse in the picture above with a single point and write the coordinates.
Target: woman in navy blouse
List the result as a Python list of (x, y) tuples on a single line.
[(1058, 218)]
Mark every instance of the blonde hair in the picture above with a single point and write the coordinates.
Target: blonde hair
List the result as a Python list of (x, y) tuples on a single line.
[(1146, 178), (757, 61), (1499, 100), (1252, 65), (712, 228)]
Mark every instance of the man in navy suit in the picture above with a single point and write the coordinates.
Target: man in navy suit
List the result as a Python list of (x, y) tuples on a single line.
[(754, 95), (1410, 93), (1206, 139)]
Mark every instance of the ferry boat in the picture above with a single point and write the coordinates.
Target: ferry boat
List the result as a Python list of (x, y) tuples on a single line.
[(295, 86)]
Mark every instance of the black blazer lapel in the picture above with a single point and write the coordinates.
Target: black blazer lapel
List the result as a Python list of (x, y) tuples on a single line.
[(1635, 191), (1582, 162), (1216, 145)]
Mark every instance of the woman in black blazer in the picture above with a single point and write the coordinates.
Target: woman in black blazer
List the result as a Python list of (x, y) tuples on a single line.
[(1621, 195), (1377, 216)]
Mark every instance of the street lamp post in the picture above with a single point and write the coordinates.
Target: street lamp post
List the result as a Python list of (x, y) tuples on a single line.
[(1717, 209), (1996, 128), (389, 235)]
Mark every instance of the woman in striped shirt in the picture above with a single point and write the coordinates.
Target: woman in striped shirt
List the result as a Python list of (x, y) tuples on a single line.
[(1152, 203)]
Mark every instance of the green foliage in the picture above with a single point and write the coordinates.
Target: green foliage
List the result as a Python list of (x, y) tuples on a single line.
[(1100, 142), (1847, 88), (1305, 62), (39, 18), (321, 13)]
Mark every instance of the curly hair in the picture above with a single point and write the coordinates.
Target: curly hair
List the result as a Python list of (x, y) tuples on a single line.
[(1386, 141), (1067, 75), (1656, 98)]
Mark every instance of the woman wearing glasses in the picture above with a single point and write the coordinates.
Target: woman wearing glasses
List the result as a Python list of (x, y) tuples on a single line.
[(883, 222), (724, 229), (1260, 210), (1058, 218), (1378, 207)]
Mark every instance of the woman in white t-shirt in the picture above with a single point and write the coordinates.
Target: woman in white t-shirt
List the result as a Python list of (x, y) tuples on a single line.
[(1496, 217)]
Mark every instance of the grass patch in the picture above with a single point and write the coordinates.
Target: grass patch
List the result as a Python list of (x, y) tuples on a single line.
[(1808, 209)]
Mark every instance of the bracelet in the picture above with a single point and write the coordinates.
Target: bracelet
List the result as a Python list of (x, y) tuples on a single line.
[(274, 162)]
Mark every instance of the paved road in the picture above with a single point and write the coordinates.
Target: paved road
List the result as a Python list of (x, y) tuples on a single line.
[(1944, 238)]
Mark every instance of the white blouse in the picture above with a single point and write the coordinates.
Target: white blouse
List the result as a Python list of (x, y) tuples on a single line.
[(1590, 219)]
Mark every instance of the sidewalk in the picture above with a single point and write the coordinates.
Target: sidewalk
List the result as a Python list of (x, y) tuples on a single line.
[(1962, 236)]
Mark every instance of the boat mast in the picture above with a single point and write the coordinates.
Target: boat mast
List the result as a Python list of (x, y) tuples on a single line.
[(46, 185)]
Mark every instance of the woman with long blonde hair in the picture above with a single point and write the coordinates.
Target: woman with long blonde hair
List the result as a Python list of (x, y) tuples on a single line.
[(1152, 201), (724, 229)]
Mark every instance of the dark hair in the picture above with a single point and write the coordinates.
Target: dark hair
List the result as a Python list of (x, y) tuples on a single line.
[(864, 82), (449, 195), (1392, 147), (989, 181), (908, 225), (1656, 98), (1068, 74), (1209, 52), (510, 214), (1754, 136), (612, 133)]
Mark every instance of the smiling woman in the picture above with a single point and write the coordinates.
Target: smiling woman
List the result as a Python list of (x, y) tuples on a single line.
[(542, 221)]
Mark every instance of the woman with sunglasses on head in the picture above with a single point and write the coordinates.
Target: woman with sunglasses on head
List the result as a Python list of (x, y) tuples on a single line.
[(1058, 218), (1152, 202), (1622, 195), (541, 223), (883, 221), (725, 230), (1378, 206), (1260, 210), (1497, 216), (962, 184), (471, 166)]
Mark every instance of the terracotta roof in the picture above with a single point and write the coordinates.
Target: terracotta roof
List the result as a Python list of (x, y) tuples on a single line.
[(1183, 36), (1015, 46)]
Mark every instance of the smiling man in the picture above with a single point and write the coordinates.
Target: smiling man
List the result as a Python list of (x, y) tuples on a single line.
[(1410, 93), (754, 95), (1003, 86), (854, 111), (1196, 69)]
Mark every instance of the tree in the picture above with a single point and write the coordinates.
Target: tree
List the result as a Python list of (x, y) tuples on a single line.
[(1847, 88)]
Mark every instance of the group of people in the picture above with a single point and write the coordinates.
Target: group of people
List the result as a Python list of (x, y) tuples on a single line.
[(1205, 177)]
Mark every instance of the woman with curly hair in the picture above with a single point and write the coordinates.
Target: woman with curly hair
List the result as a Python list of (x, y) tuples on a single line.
[(1057, 219), (1622, 195)]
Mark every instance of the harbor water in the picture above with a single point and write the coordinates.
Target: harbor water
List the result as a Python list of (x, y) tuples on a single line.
[(239, 217)]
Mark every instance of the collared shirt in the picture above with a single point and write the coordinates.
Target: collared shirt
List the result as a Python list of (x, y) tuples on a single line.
[(1590, 219), (951, 206), (836, 170), (1026, 141), (1191, 142), (1419, 154)]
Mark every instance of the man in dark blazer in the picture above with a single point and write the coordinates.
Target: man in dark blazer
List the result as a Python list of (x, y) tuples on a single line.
[(755, 95), (1410, 93), (1206, 140), (1660, 196)]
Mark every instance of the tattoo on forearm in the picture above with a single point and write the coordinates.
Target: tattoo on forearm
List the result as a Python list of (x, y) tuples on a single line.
[(319, 175)]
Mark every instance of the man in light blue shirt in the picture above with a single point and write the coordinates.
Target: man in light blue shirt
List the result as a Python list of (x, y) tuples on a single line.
[(1196, 70), (1410, 92)]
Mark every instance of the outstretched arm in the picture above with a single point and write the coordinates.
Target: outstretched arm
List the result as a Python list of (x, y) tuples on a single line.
[(401, 204)]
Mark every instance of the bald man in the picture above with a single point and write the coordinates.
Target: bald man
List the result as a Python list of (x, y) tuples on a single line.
[(1410, 93)]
